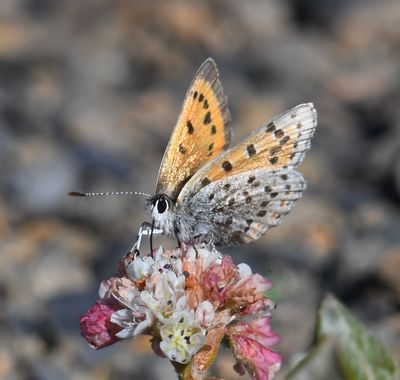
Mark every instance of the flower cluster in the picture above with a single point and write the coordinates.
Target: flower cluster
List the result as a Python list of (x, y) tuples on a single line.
[(189, 300)]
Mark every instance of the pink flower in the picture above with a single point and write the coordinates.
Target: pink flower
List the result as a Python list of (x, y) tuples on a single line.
[(247, 293), (250, 344), (97, 328), (236, 288), (189, 300), (218, 278)]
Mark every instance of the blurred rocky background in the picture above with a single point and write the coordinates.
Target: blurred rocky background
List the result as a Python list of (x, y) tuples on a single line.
[(89, 94)]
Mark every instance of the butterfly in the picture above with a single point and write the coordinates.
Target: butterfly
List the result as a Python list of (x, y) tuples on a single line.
[(206, 191), (231, 195)]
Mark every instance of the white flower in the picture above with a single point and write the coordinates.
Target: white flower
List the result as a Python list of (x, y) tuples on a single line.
[(126, 294), (144, 267), (136, 317), (162, 300), (181, 340), (131, 325), (141, 267)]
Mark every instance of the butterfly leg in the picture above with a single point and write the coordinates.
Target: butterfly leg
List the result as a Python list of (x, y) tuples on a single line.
[(151, 238), (146, 229)]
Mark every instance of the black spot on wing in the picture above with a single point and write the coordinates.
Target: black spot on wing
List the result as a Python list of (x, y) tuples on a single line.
[(190, 128), (270, 127), (251, 150), (182, 149), (284, 140), (275, 150), (207, 118), (227, 166)]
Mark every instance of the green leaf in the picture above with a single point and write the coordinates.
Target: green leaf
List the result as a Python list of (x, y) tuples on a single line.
[(344, 349)]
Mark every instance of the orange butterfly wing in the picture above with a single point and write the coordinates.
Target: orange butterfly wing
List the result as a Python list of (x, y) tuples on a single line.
[(281, 144), (201, 133)]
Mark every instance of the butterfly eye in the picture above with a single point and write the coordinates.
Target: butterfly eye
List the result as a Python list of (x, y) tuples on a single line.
[(162, 205)]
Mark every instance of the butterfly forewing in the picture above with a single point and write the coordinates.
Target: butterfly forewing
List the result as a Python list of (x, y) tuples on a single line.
[(241, 208), (281, 144), (201, 133)]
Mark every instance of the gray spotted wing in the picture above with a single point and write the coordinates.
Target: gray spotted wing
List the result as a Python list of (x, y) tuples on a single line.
[(241, 208)]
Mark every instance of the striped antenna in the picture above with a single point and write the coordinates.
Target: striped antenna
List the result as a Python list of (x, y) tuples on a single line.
[(78, 194)]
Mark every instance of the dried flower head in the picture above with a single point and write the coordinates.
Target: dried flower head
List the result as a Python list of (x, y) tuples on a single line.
[(189, 300)]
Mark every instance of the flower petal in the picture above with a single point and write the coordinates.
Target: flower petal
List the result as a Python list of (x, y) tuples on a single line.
[(207, 354), (260, 362), (244, 270), (259, 330), (205, 314)]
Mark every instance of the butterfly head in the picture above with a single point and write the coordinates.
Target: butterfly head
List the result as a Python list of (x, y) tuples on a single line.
[(161, 207)]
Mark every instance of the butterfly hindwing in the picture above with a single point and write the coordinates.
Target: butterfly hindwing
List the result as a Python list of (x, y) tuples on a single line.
[(281, 144), (201, 133), (241, 208)]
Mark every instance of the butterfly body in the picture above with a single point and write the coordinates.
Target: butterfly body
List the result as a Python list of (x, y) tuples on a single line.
[(230, 196), (174, 219)]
